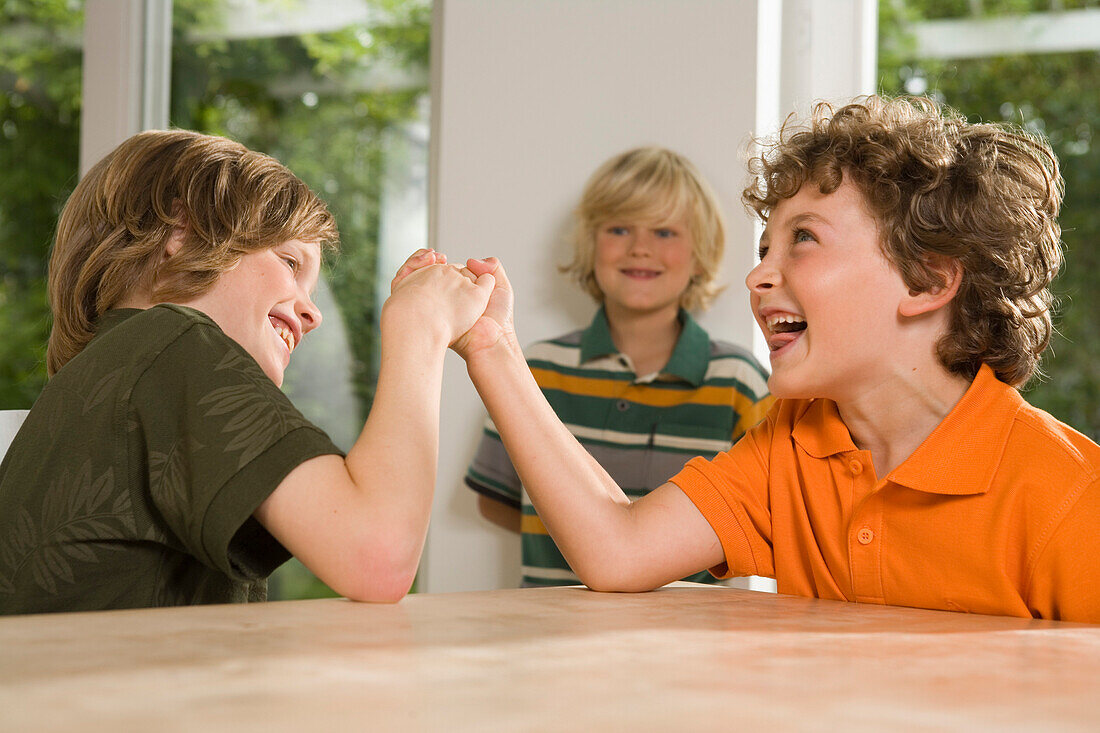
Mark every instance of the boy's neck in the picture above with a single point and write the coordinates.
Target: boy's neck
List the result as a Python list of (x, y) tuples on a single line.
[(647, 338), (892, 418)]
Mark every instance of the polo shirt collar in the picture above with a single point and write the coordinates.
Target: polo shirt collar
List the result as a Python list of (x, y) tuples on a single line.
[(689, 357), (596, 339), (961, 455), (820, 432)]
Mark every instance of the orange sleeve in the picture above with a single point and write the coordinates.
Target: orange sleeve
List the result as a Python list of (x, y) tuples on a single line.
[(731, 492), (1065, 582)]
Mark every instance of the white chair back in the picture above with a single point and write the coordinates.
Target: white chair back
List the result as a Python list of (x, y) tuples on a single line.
[(10, 420)]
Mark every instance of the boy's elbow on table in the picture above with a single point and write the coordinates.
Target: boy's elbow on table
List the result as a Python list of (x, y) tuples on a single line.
[(378, 590), (608, 583), (378, 572), (608, 576)]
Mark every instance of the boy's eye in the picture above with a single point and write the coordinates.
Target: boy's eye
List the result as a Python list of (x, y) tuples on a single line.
[(617, 231), (801, 235), (291, 263), (665, 233), (762, 251)]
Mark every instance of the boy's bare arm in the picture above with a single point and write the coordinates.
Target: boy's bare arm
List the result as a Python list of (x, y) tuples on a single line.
[(611, 543), (359, 523)]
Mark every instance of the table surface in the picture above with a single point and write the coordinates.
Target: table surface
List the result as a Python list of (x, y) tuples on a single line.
[(684, 657)]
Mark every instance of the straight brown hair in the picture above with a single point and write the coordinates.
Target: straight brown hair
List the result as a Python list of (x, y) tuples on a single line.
[(222, 199)]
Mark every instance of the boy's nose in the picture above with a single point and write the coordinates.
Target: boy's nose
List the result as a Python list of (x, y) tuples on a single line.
[(309, 314), (639, 241), (762, 277)]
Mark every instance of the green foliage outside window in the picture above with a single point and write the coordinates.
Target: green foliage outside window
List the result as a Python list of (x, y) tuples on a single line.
[(39, 150), (287, 96), (1057, 95)]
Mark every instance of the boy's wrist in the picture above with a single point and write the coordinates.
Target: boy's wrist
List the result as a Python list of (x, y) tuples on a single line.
[(501, 354), (412, 329)]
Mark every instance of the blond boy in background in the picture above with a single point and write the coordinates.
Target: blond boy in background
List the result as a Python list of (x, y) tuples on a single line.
[(643, 388)]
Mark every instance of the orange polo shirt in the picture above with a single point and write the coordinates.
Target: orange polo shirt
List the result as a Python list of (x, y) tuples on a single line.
[(997, 511)]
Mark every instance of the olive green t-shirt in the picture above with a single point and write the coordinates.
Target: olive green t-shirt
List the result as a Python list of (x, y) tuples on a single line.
[(133, 481)]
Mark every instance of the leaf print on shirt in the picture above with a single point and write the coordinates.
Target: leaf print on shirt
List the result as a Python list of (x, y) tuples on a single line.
[(258, 414), (170, 483), (79, 518), (101, 390)]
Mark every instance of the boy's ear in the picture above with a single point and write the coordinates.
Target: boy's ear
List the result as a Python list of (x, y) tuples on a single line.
[(174, 243), (918, 303), (175, 239)]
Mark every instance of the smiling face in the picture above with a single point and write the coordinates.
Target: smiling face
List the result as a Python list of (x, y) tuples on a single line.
[(825, 296), (643, 268), (264, 302)]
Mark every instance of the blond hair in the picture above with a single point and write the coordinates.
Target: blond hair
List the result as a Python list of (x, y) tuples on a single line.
[(984, 195), (221, 198), (650, 185)]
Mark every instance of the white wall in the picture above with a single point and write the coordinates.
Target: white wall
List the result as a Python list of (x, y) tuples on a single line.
[(528, 98)]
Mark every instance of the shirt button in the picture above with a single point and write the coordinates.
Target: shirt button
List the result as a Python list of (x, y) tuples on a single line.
[(622, 405), (865, 536), (855, 467)]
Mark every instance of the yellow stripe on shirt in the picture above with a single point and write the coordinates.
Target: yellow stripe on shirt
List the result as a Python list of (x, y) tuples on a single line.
[(642, 394), (531, 524)]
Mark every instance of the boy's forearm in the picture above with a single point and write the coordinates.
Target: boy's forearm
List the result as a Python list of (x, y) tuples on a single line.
[(584, 509), (359, 523), (394, 460)]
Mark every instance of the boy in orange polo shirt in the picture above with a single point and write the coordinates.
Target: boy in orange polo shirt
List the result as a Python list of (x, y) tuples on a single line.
[(903, 292)]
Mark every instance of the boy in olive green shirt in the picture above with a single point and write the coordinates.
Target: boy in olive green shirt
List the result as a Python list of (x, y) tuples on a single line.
[(162, 465)]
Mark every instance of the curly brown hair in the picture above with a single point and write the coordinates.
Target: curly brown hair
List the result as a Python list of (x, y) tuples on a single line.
[(984, 195), (224, 199)]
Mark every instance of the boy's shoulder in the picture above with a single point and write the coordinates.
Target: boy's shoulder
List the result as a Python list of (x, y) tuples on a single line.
[(129, 341), (1040, 438), (728, 359), (995, 442), (159, 324), (167, 319), (563, 350), (570, 340)]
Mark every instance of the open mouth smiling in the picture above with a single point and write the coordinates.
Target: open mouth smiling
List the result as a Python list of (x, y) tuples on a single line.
[(640, 274), (284, 331), (785, 323), (783, 328)]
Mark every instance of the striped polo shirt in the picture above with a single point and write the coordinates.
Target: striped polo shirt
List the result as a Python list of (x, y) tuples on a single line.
[(642, 430)]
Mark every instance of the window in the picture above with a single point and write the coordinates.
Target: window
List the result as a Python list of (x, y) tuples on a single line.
[(337, 91)]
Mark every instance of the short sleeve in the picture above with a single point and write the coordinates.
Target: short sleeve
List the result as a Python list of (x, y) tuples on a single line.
[(491, 472), (1065, 584), (731, 492), (217, 437)]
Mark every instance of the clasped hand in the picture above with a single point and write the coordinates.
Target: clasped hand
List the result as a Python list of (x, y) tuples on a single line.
[(470, 307)]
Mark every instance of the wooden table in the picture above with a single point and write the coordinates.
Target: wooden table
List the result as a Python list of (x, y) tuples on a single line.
[(683, 658)]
